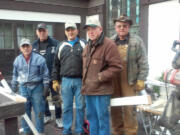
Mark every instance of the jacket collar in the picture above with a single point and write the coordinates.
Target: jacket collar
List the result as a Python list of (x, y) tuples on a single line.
[(99, 41), (48, 40), (121, 42)]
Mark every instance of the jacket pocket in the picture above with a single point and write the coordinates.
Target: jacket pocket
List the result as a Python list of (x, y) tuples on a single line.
[(79, 51), (92, 84), (35, 69), (96, 64)]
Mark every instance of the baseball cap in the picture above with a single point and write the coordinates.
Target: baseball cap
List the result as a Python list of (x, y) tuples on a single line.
[(123, 18), (41, 26), (70, 25), (24, 41), (92, 22)]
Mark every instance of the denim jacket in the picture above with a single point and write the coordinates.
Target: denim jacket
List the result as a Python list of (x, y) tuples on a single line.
[(32, 73)]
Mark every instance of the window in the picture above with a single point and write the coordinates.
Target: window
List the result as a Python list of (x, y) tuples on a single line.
[(50, 30), (117, 7), (25, 31), (11, 32), (6, 36), (29, 31)]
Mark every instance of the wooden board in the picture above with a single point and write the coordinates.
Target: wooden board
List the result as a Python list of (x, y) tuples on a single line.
[(11, 105), (148, 109), (15, 97), (10, 108), (156, 108), (133, 100)]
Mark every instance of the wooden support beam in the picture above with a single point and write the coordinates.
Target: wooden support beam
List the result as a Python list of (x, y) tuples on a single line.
[(11, 126)]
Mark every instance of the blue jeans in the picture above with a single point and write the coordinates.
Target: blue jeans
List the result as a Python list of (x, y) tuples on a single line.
[(71, 87), (98, 114), (35, 99)]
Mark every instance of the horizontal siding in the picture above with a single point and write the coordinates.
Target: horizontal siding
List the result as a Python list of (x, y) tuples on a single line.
[(71, 3), (39, 7), (94, 3), (147, 2)]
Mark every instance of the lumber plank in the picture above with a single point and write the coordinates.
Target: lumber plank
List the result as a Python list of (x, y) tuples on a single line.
[(132, 100), (15, 97), (11, 109)]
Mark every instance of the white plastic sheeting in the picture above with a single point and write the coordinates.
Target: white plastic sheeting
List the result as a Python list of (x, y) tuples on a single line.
[(164, 22)]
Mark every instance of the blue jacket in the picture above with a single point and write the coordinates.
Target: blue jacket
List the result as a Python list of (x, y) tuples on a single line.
[(32, 73), (50, 51)]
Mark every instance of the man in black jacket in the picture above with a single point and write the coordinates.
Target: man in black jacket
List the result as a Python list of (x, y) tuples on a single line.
[(46, 46), (67, 70)]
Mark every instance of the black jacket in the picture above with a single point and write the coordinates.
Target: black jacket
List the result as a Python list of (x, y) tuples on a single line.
[(50, 51), (68, 60)]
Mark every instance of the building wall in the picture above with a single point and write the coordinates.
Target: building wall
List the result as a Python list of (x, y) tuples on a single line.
[(95, 3), (82, 8), (69, 3), (98, 7)]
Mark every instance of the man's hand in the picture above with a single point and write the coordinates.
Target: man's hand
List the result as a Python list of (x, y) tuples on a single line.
[(46, 91), (140, 85), (14, 88), (56, 85)]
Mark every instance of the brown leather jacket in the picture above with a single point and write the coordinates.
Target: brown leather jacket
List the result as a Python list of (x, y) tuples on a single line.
[(100, 64)]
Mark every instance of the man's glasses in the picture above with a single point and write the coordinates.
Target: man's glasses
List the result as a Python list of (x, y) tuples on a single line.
[(122, 26)]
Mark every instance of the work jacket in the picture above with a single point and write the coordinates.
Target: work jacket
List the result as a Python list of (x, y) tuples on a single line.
[(68, 60), (100, 64), (137, 66)]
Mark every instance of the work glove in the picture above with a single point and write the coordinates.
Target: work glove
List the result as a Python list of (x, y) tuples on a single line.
[(139, 85), (46, 91), (56, 85)]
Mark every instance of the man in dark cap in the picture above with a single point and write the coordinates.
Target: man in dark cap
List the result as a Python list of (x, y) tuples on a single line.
[(131, 79), (46, 46)]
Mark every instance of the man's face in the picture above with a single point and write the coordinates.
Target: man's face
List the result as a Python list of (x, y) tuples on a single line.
[(122, 28), (71, 33), (42, 34), (26, 49), (94, 32)]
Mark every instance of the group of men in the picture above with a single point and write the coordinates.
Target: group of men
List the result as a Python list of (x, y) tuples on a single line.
[(91, 72)]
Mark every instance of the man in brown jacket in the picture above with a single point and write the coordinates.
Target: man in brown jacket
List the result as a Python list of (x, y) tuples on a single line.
[(100, 64), (131, 79)]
